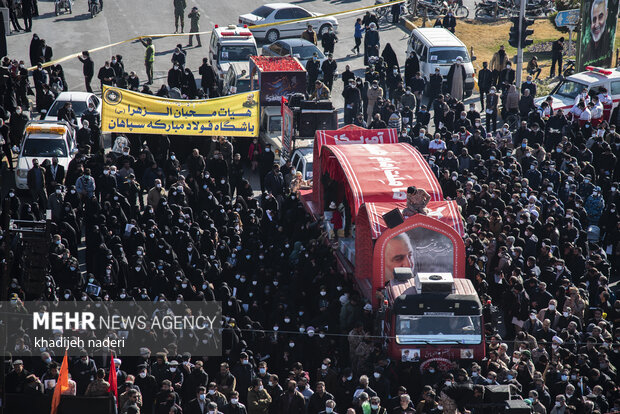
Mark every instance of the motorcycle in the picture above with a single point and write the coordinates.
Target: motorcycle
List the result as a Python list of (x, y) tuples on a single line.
[(537, 8), (61, 6), (492, 9), (432, 9), (457, 8), (94, 7), (383, 13), (569, 69)]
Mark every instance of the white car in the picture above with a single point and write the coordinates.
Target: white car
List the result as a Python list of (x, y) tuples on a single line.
[(302, 160), (79, 101), (279, 12), (44, 140)]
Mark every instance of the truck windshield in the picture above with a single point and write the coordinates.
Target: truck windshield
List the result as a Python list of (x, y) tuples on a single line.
[(445, 55), (570, 89), (237, 53), (411, 329), (275, 123), (78, 107), (243, 85), (44, 147)]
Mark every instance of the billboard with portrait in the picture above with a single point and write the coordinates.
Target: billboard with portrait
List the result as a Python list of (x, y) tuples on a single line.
[(421, 249), (598, 33)]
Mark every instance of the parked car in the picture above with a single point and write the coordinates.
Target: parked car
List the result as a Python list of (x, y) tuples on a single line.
[(44, 140), (279, 12), (299, 48), (79, 101), (302, 160)]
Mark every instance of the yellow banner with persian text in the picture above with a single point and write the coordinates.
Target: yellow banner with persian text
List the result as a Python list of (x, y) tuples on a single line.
[(130, 112)]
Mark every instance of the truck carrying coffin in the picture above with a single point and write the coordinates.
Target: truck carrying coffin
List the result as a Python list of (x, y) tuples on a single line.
[(412, 272), (276, 77)]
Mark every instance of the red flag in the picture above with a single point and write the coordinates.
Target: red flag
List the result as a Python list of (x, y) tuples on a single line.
[(62, 385), (112, 378), (284, 102)]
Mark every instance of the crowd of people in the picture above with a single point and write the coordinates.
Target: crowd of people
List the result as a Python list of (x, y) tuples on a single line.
[(167, 224)]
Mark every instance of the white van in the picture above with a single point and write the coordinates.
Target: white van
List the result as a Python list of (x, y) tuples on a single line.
[(230, 44), (438, 47)]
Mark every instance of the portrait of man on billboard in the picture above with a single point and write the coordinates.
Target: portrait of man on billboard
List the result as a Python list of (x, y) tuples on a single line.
[(419, 249), (598, 32), (398, 253)]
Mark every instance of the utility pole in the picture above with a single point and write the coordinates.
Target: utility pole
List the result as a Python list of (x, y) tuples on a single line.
[(520, 46)]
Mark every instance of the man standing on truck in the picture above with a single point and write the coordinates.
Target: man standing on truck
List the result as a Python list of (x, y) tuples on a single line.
[(417, 199), (398, 253)]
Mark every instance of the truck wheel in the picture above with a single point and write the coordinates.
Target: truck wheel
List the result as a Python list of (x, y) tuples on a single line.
[(272, 36)]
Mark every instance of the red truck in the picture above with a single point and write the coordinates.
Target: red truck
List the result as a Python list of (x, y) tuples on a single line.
[(411, 270)]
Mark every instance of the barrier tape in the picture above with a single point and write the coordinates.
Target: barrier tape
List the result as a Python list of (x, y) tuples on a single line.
[(158, 36)]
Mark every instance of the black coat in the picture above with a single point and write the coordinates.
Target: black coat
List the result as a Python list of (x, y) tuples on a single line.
[(328, 41), (313, 67), (412, 66), (485, 79), (329, 68), (209, 77), (35, 51), (88, 66), (175, 78), (371, 40)]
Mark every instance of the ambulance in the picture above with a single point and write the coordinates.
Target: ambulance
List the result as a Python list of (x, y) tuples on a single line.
[(594, 80), (230, 44)]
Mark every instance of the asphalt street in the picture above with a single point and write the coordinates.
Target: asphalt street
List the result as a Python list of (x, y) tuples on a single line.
[(122, 20)]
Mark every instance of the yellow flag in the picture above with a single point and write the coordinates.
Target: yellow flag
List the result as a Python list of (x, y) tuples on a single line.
[(129, 112), (62, 384)]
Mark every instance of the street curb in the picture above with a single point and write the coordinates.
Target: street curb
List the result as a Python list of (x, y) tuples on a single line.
[(408, 23)]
